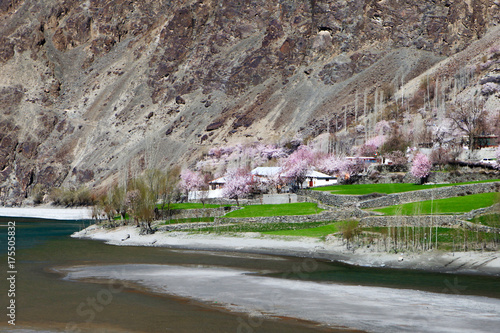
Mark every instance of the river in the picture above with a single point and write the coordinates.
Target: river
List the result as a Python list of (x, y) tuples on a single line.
[(65, 284)]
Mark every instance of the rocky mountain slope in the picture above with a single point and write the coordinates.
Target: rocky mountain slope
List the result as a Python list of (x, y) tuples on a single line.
[(93, 90)]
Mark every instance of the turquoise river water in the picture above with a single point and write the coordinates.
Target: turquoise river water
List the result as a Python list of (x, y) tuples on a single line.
[(47, 302)]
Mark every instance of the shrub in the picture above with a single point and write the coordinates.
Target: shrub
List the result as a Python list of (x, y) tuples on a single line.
[(38, 193), (396, 142), (71, 197), (349, 229)]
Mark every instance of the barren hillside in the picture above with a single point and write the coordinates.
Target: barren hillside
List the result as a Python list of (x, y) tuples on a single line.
[(92, 90)]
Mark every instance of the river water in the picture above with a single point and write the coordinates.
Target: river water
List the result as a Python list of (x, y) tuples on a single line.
[(172, 290)]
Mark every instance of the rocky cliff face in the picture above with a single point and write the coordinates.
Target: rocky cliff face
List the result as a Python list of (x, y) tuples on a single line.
[(93, 90)]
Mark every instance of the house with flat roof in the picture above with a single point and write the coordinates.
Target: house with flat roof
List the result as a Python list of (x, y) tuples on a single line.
[(264, 175), (313, 178)]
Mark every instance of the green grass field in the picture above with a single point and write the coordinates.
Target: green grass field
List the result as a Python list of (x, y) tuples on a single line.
[(443, 206), (309, 232), (299, 208), (119, 217), (360, 189), (490, 220)]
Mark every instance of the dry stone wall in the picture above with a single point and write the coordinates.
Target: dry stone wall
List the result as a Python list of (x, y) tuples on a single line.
[(202, 212), (415, 221), (338, 215)]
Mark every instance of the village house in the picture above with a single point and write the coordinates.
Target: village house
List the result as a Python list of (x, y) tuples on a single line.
[(264, 175), (313, 178)]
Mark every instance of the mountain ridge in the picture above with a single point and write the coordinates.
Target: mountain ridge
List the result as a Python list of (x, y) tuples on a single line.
[(93, 91)]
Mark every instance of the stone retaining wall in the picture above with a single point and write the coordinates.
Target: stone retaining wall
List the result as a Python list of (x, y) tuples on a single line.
[(186, 226), (479, 227), (338, 215), (329, 199), (422, 220), (366, 221), (477, 212), (436, 193), (201, 212)]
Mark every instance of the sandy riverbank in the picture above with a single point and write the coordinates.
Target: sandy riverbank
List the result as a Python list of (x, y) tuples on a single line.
[(371, 309), (487, 263), (47, 212)]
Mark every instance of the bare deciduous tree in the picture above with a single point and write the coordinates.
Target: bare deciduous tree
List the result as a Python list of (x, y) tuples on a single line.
[(468, 116)]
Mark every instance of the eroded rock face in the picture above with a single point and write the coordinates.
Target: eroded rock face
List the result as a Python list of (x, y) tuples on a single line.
[(91, 89)]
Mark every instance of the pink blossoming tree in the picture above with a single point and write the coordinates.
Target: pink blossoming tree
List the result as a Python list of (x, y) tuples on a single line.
[(191, 181), (238, 184), (421, 166), (352, 168), (331, 164), (296, 166)]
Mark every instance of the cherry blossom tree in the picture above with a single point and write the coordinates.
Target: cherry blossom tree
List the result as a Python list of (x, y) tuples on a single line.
[(372, 146), (296, 166), (367, 150), (377, 141), (421, 166), (277, 181), (191, 181), (331, 164), (241, 155), (238, 184), (352, 168), (271, 151)]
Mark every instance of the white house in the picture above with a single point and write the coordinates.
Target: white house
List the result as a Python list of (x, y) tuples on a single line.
[(214, 190), (210, 194), (313, 177), (262, 174), (217, 183)]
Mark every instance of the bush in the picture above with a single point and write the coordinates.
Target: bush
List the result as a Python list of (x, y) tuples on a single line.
[(349, 229), (396, 142), (71, 197), (38, 193)]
